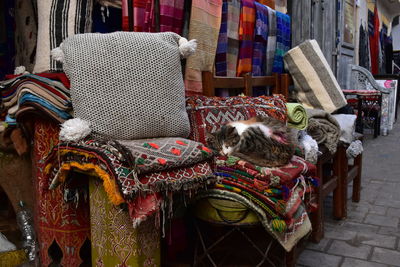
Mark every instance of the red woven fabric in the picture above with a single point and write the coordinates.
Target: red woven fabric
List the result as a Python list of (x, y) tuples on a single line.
[(374, 44), (208, 114), (55, 220)]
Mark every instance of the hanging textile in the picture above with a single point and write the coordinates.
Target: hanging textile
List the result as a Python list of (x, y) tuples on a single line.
[(7, 47), (363, 51), (204, 26), (222, 47), (268, 3), (138, 15), (282, 41), (374, 41), (271, 42), (246, 35), (382, 52), (25, 34), (389, 54), (171, 15), (260, 40), (228, 42)]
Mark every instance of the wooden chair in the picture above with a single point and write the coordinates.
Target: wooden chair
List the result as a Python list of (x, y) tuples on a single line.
[(335, 174), (247, 82)]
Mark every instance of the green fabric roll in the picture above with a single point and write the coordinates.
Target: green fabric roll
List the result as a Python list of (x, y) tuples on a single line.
[(297, 116)]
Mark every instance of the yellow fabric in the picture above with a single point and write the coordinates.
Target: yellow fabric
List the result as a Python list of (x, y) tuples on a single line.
[(12, 258), (211, 210), (109, 184)]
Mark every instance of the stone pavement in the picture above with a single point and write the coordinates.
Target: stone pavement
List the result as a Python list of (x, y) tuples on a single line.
[(370, 235)]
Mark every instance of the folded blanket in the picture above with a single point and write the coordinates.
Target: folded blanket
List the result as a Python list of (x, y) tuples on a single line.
[(315, 83), (131, 167), (324, 128), (275, 194), (297, 116), (347, 123)]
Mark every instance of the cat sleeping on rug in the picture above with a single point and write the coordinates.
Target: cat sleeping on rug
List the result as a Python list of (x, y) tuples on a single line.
[(262, 141)]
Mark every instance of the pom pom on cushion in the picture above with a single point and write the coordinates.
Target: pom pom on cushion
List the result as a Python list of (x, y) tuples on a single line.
[(57, 54), (74, 130), (20, 70), (187, 48)]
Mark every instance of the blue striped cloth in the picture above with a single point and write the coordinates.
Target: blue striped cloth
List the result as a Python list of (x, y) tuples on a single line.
[(260, 40), (282, 41)]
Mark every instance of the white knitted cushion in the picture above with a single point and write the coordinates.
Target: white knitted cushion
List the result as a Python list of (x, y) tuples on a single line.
[(127, 85)]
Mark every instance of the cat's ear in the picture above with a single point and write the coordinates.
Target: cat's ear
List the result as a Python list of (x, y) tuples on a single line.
[(228, 129), (210, 137)]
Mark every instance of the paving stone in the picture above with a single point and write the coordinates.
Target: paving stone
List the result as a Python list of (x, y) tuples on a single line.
[(376, 240), (321, 246), (386, 256), (347, 248), (387, 203), (382, 220), (349, 262), (317, 259), (358, 227), (356, 216), (380, 210), (393, 212), (390, 231), (340, 234)]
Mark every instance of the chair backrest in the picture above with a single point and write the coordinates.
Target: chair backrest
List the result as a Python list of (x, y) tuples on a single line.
[(247, 82), (360, 78)]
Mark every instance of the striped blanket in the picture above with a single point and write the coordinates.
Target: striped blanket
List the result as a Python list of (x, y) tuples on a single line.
[(315, 84), (204, 26), (260, 40), (271, 43), (138, 15), (222, 47), (282, 40), (246, 36), (171, 16)]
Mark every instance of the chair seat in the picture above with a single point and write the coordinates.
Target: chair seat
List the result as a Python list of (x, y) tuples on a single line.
[(224, 212)]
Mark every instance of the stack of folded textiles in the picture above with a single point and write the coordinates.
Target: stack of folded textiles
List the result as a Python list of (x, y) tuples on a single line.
[(46, 94), (280, 196)]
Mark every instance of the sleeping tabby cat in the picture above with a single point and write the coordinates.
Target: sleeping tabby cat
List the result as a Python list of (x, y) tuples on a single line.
[(262, 141)]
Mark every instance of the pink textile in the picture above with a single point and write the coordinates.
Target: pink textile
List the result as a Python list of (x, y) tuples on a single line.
[(171, 15)]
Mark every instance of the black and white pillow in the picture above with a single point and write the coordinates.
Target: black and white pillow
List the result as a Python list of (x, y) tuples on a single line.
[(58, 19)]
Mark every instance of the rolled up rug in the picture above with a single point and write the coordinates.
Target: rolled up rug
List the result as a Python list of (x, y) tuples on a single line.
[(324, 128), (297, 116)]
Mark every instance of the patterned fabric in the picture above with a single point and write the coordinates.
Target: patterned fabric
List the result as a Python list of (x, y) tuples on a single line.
[(147, 63), (278, 192), (271, 43), (233, 37), (222, 47), (123, 175), (228, 40), (115, 242), (315, 84), (138, 15), (260, 40), (171, 16), (246, 36), (282, 41), (205, 20), (57, 21), (110, 3), (208, 114), (66, 225)]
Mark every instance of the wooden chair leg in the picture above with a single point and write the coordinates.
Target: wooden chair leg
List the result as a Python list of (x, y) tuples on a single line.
[(340, 193), (317, 218), (290, 258), (357, 179)]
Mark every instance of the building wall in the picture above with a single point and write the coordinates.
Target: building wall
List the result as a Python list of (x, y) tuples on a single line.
[(396, 37)]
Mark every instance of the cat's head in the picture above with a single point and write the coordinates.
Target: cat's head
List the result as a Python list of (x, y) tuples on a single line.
[(223, 140)]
